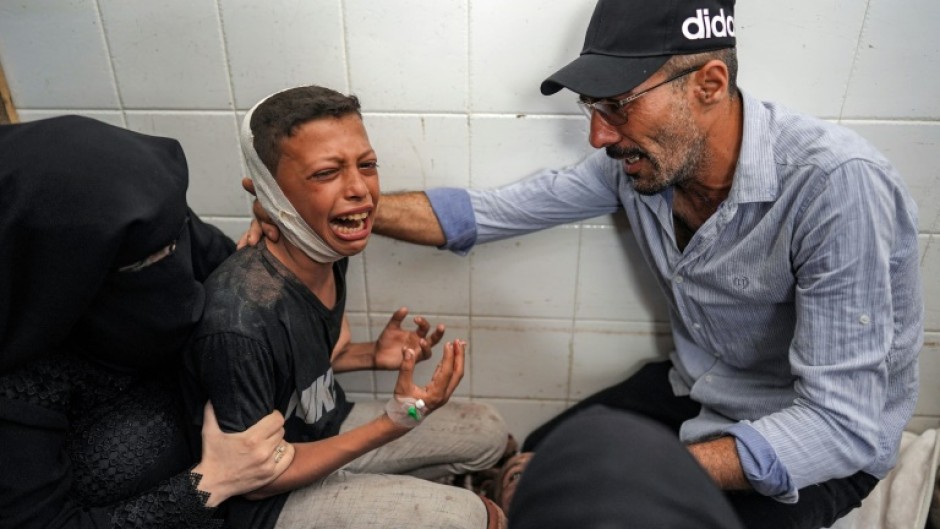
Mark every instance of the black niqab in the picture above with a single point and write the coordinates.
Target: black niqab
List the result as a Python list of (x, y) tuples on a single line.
[(80, 199)]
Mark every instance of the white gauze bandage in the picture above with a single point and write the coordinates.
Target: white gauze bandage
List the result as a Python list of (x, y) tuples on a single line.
[(272, 199), (406, 411)]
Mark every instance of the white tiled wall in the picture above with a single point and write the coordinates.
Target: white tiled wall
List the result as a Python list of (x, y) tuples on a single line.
[(275, 45), (450, 90)]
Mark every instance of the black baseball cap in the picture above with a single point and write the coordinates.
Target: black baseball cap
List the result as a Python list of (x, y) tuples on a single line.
[(628, 40)]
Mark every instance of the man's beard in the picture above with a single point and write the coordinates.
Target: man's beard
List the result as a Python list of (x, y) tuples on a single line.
[(688, 147)]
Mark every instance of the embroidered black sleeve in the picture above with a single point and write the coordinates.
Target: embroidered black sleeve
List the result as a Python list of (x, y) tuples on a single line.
[(61, 417), (175, 503)]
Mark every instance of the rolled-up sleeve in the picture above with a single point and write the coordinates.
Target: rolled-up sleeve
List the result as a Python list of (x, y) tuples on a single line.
[(455, 215), (761, 466)]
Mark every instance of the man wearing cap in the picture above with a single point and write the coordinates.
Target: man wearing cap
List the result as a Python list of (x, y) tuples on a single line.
[(786, 248)]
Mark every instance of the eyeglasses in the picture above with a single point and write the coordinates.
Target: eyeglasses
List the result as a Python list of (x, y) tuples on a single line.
[(612, 110)]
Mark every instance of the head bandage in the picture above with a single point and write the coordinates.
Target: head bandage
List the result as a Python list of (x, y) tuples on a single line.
[(292, 225)]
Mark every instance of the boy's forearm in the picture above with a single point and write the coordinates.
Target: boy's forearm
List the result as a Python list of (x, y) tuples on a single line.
[(408, 217), (354, 357), (318, 459)]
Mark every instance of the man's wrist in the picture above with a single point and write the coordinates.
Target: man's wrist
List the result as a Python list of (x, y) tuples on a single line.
[(719, 458), (761, 466)]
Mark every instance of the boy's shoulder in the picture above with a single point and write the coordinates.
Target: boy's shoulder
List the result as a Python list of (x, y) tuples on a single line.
[(245, 286), (254, 272), (251, 291), (246, 271)]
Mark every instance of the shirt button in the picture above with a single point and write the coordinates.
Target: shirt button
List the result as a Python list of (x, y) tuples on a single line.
[(696, 326), (708, 378), (679, 280), (864, 319)]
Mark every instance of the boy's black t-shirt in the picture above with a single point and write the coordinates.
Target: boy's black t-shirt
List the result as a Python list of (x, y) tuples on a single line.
[(264, 343)]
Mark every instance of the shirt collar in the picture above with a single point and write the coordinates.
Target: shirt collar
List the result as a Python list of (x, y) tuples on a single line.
[(755, 177)]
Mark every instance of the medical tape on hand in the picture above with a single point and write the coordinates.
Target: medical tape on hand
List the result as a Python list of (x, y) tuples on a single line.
[(405, 411)]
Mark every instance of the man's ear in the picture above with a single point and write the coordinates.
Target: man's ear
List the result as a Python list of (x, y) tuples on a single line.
[(711, 82)]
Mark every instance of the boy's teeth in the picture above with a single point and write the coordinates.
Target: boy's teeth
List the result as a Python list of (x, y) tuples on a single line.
[(354, 216), (350, 223)]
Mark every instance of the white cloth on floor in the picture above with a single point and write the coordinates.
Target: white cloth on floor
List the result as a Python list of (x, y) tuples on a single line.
[(902, 499)]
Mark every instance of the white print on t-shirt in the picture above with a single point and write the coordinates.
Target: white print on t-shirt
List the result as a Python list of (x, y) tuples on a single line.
[(315, 401)]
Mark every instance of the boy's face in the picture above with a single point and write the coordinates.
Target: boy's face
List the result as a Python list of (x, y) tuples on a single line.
[(328, 172)]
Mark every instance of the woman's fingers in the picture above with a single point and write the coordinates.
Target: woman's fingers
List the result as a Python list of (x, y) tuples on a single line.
[(271, 426)]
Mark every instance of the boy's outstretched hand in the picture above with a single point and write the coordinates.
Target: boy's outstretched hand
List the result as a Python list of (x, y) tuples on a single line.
[(394, 339), (443, 382)]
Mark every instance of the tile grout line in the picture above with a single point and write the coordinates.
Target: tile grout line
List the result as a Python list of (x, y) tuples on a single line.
[(227, 60), (111, 69), (858, 45)]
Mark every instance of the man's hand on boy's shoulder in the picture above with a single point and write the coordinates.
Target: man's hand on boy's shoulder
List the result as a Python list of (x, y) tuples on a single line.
[(388, 348), (261, 225)]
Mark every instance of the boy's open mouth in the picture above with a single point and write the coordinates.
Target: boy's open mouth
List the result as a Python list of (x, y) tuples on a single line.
[(350, 223)]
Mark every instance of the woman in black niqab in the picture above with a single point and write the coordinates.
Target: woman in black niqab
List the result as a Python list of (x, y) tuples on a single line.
[(81, 199), (100, 285)]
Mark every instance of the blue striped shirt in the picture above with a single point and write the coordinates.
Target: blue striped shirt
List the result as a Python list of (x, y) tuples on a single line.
[(796, 308)]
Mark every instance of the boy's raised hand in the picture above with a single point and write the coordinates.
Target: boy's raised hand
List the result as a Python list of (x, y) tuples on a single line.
[(394, 339), (443, 382)]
